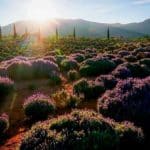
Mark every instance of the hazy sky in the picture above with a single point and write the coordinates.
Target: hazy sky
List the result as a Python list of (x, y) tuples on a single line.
[(109, 11)]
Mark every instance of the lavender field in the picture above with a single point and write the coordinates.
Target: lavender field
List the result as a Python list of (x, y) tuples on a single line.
[(90, 98), (74, 75)]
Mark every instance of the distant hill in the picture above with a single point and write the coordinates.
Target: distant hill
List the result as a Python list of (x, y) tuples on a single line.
[(83, 28)]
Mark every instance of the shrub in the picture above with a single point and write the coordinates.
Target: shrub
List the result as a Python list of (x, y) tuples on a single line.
[(130, 58), (81, 130), (69, 64), (129, 135), (109, 81), (6, 86), (73, 101), (38, 106), (138, 70), (96, 66), (59, 59), (117, 61), (4, 123), (122, 72), (78, 57), (129, 100), (20, 70), (64, 99), (55, 79), (44, 68), (124, 53), (88, 89), (73, 75), (145, 61)]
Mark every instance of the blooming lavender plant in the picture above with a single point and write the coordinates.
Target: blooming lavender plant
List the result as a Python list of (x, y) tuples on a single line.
[(44, 68), (4, 123), (109, 81), (6, 86), (122, 72), (69, 64), (129, 100), (82, 130), (124, 53), (88, 89), (96, 66), (78, 57), (18, 70), (38, 106)]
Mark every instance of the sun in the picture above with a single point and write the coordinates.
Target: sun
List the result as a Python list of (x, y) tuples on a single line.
[(41, 10)]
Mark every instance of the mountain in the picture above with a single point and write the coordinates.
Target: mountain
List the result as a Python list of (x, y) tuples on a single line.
[(83, 28), (142, 27)]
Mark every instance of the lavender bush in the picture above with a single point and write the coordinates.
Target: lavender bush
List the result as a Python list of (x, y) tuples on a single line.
[(96, 66), (130, 58), (38, 106), (124, 53), (82, 130), (122, 72), (129, 100), (145, 61), (137, 70), (69, 64), (88, 89), (44, 68), (6, 86), (78, 57), (4, 123), (73, 75), (109, 81), (20, 70)]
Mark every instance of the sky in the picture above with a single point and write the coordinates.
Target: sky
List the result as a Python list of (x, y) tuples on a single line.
[(106, 11)]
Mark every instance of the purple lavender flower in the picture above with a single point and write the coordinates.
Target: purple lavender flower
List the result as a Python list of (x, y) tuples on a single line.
[(129, 100)]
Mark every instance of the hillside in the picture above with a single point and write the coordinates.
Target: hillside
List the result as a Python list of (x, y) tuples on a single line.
[(83, 28)]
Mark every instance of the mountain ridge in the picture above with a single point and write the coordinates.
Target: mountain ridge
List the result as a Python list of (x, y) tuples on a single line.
[(83, 27)]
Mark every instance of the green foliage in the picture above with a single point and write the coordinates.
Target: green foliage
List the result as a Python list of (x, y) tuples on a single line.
[(69, 64), (82, 130), (94, 67), (55, 80), (63, 99), (73, 75), (38, 106), (6, 86), (87, 89)]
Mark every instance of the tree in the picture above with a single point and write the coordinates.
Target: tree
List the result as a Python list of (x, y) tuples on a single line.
[(26, 32), (74, 33), (108, 33), (56, 33), (0, 33), (39, 35), (14, 31)]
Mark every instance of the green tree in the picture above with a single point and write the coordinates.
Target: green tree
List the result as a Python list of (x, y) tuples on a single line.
[(74, 33), (39, 35), (56, 33), (14, 31), (26, 32), (108, 33)]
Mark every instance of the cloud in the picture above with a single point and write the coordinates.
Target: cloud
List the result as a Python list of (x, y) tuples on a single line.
[(141, 2)]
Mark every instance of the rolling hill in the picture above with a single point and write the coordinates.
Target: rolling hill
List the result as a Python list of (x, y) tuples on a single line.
[(83, 28)]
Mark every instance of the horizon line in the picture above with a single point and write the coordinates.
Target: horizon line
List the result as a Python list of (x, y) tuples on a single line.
[(72, 19)]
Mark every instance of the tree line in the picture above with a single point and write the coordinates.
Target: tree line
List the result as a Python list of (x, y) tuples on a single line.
[(26, 34)]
